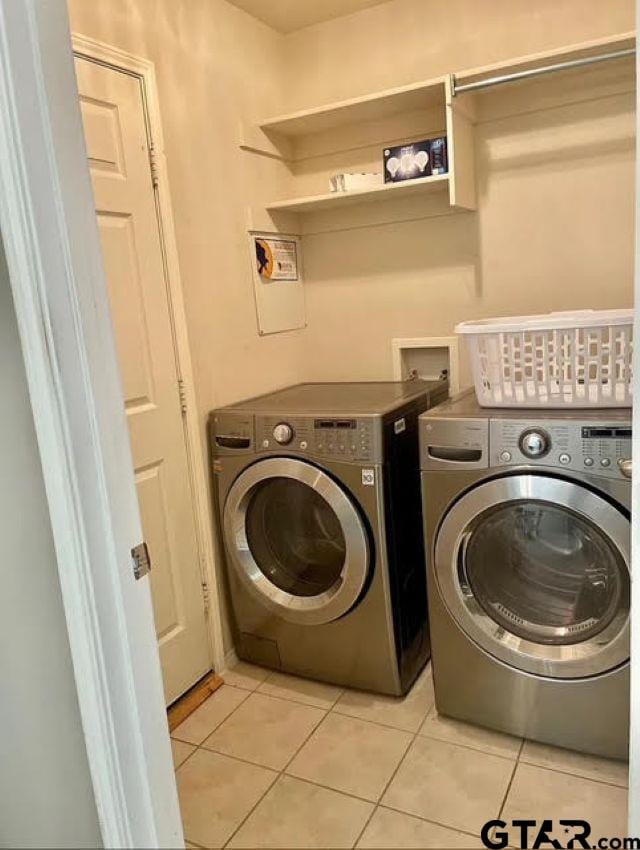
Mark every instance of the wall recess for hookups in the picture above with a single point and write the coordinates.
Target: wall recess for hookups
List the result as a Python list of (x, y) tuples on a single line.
[(276, 264), (428, 358)]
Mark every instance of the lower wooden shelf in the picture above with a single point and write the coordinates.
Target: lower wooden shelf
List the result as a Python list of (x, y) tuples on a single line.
[(331, 200)]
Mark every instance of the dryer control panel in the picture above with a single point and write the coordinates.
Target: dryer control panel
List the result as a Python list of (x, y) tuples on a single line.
[(595, 447)]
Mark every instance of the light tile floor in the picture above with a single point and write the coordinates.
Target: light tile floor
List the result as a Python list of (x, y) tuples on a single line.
[(270, 760)]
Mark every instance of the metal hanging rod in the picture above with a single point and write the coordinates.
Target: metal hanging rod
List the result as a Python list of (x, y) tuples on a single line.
[(534, 72)]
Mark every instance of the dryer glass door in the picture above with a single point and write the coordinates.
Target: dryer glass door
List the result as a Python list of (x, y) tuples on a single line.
[(295, 537), (536, 570), (296, 540)]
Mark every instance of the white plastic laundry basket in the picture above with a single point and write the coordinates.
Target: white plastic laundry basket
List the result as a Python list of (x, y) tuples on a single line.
[(573, 359)]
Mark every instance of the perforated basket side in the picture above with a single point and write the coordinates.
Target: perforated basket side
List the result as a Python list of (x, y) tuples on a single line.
[(586, 367)]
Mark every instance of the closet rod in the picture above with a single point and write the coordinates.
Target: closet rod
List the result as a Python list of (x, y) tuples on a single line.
[(534, 72)]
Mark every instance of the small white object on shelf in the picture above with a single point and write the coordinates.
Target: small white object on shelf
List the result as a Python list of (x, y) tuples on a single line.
[(579, 358), (382, 191), (349, 182)]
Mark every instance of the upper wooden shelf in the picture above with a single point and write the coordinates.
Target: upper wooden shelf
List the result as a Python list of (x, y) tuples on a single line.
[(425, 94), (372, 107), (393, 112)]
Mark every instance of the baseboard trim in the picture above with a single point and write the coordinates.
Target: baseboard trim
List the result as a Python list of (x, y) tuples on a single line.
[(230, 660)]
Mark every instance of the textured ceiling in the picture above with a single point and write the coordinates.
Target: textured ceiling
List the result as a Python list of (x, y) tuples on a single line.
[(289, 15)]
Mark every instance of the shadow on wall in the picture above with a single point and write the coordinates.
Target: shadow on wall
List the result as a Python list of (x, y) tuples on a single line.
[(566, 137), (397, 250)]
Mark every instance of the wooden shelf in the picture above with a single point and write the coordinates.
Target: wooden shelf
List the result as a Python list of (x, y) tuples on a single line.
[(330, 200), (360, 124), (373, 107)]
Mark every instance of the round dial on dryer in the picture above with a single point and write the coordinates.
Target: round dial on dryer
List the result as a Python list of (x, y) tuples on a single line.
[(534, 442), (283, 433)]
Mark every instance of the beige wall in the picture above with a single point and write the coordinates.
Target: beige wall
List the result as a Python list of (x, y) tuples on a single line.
[(215, 66), (402, 41), (554, 226)]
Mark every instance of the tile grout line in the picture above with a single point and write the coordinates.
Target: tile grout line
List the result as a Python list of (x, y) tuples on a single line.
[(217, 726), (428, 820), (511, 778), (200, 747), (280, 774), (376, 722), (609, 783), (348, 794), (184, 761), (258, 692), (393, 776), (331, 710), (468, 747), (239, 759), (296, 701), (374, 809), (375, 804)]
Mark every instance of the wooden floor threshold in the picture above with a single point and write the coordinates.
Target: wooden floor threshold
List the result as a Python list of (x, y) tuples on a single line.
[(194, 697)]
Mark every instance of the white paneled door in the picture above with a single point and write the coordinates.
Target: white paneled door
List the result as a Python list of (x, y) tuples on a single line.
[(117, 140)]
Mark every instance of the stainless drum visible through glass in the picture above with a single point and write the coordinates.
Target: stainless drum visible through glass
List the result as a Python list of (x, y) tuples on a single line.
[(544, 573), (536, 571), (296, 540), (295, 537)]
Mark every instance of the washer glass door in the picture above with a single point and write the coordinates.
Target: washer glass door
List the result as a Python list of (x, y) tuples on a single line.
[(536, 570), (296, 540)]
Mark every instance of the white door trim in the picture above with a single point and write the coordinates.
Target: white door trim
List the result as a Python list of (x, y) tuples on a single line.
[(144, 69), (53, 251)]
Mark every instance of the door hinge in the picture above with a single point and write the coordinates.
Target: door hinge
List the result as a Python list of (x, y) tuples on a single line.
[(153, 166), (141, 560), (182, 394), (206, 595)]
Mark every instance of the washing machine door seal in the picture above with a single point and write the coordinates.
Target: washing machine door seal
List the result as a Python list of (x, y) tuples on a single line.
[(296, 540), (535, 570)]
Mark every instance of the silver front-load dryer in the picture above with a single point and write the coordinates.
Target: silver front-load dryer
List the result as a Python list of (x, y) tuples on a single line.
[(318, 491), (528, 548)]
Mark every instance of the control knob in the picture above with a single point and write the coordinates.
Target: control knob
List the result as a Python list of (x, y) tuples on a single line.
[(624, 463), (283, 433), (534, 443)]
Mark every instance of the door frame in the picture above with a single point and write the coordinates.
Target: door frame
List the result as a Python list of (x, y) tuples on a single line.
[(144, 70), (52, 245)]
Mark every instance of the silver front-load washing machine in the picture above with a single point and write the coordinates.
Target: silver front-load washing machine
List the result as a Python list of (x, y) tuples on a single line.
[(527, 542), (318, 490)]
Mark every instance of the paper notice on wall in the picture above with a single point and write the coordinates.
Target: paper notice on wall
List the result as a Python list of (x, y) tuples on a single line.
[(277, 281), (276, 259)]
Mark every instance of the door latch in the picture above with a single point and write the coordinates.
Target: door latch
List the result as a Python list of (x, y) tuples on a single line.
[(141, 560)]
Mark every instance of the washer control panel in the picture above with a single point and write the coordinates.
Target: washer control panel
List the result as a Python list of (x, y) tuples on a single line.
[(330, 438), (602, 449)]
